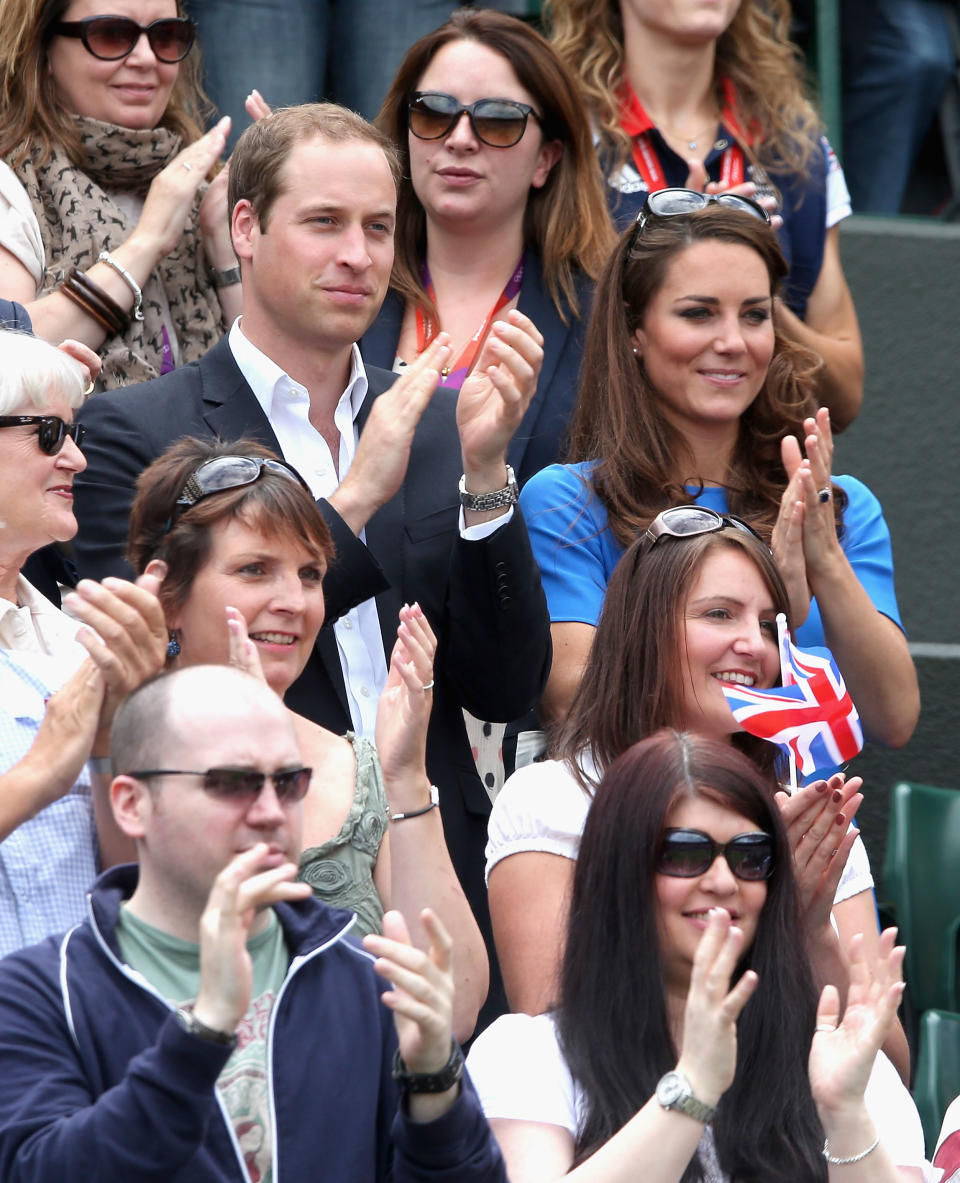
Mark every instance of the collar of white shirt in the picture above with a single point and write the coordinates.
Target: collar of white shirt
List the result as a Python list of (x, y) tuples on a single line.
[(272, 386)]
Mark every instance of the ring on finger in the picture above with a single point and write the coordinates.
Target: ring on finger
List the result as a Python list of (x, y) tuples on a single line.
[(185, 164), (824, 494), (428, 686), (825, 1027)]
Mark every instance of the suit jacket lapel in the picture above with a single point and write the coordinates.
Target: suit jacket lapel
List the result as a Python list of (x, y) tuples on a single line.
[(535, 302)]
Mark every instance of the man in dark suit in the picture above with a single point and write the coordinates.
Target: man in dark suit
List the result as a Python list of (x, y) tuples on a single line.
[(313, 198), (14, 316)]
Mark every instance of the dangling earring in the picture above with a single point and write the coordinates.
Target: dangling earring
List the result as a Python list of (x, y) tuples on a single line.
[(173, 645)]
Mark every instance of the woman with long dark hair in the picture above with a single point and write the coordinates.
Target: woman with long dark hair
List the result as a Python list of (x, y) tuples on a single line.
[(713, 96), (688, 1043), (685, 614), (500, 205), (691, 392)]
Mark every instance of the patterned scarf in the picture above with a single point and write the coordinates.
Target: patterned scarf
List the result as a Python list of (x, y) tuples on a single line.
[(78, 219)]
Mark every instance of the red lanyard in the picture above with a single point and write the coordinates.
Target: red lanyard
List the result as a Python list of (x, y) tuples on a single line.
[(453, 375), (732, 164)]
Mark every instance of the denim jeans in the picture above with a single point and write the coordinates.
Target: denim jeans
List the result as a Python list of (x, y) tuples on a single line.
[(897, 58), (298, 51)]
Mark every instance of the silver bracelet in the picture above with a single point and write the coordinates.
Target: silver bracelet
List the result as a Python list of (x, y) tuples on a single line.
[(434, 802), (845, 1162), (106, 257)]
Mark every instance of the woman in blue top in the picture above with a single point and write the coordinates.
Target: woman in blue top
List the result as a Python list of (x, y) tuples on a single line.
[(690, 391)]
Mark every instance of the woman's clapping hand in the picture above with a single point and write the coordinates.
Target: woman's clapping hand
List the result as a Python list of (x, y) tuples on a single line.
[(708, 1057)]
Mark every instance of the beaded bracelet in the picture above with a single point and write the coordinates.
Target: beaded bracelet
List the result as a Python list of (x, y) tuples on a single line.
[(845, 1162)]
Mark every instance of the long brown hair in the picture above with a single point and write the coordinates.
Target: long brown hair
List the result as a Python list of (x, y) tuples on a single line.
[(612, 1019), (31, 113), (567, 219), (633, 681), (754, 52), (618, 423)]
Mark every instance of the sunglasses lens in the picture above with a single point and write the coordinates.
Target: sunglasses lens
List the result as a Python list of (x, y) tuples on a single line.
[(235, 783), (684, 857), (734, 201), (51, 434), (293, 785), (666, 203), (750, 857), (499, 124), (171, 40), (688, 519), (433, 115), (111, 37)]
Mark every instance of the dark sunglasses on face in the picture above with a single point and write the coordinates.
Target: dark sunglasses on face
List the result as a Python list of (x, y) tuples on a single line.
[(241, 784), (674, 203), (499, 123), (228, 472), (688, 521), (685, 854), (51, 430), (110, 38)]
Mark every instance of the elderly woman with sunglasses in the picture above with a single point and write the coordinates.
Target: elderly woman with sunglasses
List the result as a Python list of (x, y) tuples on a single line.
[(688, 1042), (60, 682), (713, 96), (241, 548), (690, 607), (108, 231), (500, 206), (691, 392)]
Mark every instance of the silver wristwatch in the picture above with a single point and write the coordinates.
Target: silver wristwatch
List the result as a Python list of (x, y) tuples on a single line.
[(498, 499), (674, 1092)]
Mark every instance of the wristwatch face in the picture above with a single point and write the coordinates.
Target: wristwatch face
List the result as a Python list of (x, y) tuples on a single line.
[(670, 1089)]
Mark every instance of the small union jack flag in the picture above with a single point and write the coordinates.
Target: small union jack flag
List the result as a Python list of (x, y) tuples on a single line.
[(813, 717)]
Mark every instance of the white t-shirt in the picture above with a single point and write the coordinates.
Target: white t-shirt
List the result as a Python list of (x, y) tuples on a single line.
[(520, 1074), (543, 808)]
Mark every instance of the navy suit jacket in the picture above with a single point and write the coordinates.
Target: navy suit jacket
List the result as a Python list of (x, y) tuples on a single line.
[(483, 599), (542, 435)]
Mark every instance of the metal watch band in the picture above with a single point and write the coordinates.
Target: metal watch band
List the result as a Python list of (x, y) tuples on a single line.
[(429, 1082), (674, 1092), (498, 499)]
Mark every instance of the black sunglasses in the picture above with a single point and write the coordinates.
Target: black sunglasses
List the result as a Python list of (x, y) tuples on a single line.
[(499, 123), (675, 203), (110, 38), (685, 854), (51, 430), (228, 472), (241, 784), (688, 521)]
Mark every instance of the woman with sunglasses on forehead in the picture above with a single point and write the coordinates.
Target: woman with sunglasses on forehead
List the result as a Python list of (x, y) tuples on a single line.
[(713, 96), (690, 392), (500, 206), (241, 548), (109, 232), (688, 1043), (690, 607)]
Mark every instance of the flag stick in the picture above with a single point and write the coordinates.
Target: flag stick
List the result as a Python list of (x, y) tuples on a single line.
[(786, 679)]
